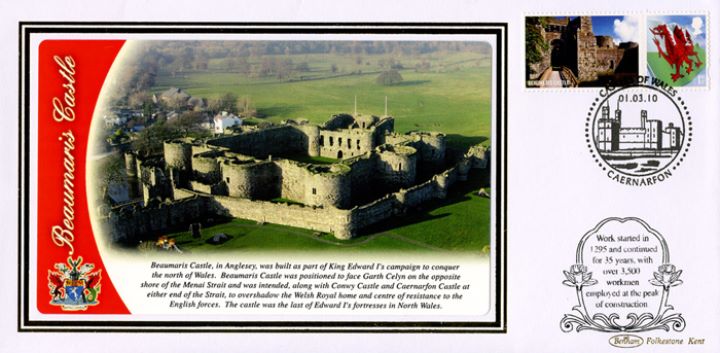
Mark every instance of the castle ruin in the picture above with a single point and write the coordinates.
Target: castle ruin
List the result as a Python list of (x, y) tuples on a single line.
[(269, 175), (572, 45)]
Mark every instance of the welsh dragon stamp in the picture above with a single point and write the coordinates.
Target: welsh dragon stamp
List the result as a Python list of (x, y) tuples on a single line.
[(676, 49)]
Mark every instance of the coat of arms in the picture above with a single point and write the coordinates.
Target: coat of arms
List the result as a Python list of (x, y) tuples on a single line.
[(74, 287)]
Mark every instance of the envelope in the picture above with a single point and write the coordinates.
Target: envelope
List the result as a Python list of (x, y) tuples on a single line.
[(536, 177)]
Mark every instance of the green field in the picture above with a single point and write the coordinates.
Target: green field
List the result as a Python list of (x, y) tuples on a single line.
[(453, 96), (458, 223), (661, 69)]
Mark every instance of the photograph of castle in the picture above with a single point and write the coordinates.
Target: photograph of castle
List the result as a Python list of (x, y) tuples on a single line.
[(267, 145), (583, 51)]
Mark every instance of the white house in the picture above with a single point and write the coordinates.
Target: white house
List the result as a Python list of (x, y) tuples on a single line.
[(113, 119), (225, 120)]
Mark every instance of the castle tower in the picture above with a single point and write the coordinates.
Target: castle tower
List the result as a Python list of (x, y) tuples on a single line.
[(586, 25), (312, 132), (653, 132), (131, 173), (586, 50), (608, 131), (643, 118), (178, 159)]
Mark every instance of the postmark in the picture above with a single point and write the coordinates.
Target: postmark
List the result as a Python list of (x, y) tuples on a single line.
[(639, 135)]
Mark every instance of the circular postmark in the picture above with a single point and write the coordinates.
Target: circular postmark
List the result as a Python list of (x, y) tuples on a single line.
[(639, 134)]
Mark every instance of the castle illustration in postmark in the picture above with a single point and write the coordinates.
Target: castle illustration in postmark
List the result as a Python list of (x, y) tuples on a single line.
[(639, 134)]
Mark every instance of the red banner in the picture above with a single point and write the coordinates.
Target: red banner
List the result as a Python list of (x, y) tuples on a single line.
[(71, 276)]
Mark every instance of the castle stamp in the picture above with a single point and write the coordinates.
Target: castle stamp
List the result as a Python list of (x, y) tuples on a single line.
[(676, 49), (580, 51), (622, 277), (638, 135)]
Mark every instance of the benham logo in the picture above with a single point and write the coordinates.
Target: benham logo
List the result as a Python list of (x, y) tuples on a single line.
[(626, 341)]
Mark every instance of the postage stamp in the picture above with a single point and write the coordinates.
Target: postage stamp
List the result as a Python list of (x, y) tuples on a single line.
[(581, 51), (677, 49)]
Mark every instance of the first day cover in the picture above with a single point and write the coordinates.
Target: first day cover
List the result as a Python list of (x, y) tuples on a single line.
[(313, 176)]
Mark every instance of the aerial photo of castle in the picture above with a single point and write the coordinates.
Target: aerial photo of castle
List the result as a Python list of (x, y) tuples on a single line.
[(239, 175), (179, 171), (565, 52)]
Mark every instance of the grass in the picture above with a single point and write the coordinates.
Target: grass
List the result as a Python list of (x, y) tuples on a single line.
[(314, 160), (664, 71), (457, 223), (453, 97), (287, 201)]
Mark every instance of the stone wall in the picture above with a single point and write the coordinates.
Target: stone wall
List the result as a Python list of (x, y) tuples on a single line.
[(397, 165), (131, 224), (312, 133), (345, 143), (373, 212), (315, 185), (284, 140), (339, 121), (362, 175), (177, 154), (419, 193), (153, 181), (330, 220), (206, 167), (251, 180), (607, 59)]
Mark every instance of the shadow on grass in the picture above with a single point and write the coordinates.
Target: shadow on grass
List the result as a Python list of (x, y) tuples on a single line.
[(279, 109), (462, 142), (457, 193), (412, 83)]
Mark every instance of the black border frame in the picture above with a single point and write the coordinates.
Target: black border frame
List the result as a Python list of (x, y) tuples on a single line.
[(26, 29)]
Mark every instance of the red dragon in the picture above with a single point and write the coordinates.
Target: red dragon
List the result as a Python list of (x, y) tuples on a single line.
[(678, 48), (56, 284)]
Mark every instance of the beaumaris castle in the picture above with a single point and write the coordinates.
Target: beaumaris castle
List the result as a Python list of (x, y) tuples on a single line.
[(273, 174), (573, 47)]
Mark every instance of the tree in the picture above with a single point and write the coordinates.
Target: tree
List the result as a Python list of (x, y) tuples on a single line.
[(245, 108), (119, 136), (214, 105), (109, 170), (389, 78), (139, 99), (150, 140), (228, 103), (187, 122), (535, 44)]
